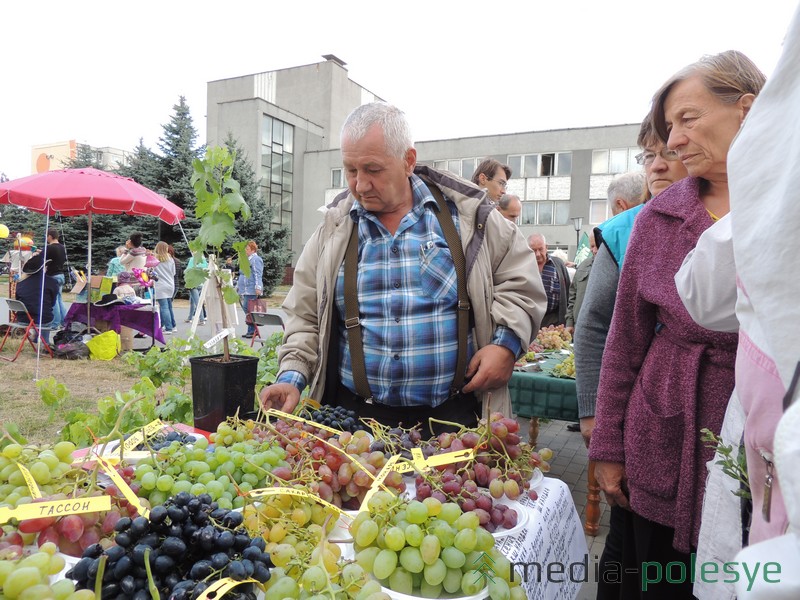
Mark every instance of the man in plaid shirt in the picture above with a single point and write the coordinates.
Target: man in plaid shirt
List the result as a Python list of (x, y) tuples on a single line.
[(406, 289)]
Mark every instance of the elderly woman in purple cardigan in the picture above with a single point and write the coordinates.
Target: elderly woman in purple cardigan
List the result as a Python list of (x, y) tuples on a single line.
[(663, 377)]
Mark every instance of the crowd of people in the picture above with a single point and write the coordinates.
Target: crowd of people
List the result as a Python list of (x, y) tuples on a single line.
[(374, 318), (41, 279), (418, 292)]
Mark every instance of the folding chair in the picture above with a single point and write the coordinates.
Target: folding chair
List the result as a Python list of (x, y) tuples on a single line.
[(264, 319), (18, 325)]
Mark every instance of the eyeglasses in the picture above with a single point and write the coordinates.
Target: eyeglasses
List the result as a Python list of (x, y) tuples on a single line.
[(501, 182), (647, 157)]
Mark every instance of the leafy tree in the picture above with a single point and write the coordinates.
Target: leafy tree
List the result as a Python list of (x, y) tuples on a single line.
[(3, 177), (272, 243)]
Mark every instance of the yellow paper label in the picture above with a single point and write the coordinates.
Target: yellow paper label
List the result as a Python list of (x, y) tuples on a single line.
[(378, 483), (145, 432), (282, 415), (222, 586), (56, 508), (295, 492), (123, 487), (114, 459), (30, 482), (419, 462), (311, 403)]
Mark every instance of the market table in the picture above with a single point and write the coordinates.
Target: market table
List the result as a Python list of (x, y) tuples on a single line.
[(140, 317), (536, 394)]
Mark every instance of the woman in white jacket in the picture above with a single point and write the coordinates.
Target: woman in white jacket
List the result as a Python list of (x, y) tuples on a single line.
[(164, 286)]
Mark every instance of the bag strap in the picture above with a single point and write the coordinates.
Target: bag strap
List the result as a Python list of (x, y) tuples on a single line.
[(788, 397), (351, 321), (353, 324)]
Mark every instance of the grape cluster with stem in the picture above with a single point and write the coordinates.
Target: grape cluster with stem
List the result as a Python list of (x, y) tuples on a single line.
[(182, 548), (28, 577), (427, 548), (553, 337)]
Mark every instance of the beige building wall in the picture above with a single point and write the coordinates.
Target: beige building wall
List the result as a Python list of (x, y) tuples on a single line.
[(51, 157)]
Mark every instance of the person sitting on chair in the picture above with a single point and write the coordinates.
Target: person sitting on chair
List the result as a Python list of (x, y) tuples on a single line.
[(35, 293)]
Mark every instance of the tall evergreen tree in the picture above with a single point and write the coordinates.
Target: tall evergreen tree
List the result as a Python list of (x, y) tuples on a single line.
[(272, 242), (85, 156), (178, 150)]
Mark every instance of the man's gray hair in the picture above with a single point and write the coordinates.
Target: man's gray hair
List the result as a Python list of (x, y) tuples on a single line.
[(506, 200), (393, 123), (535, 236), (628, 186)]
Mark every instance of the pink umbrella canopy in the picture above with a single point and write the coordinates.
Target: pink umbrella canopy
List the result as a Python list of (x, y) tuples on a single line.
[(87, 191)]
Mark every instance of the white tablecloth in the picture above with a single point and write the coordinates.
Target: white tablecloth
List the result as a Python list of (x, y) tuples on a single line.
[(553, 540)]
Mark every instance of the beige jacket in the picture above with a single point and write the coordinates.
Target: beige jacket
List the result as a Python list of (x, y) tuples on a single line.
[(503, 281)]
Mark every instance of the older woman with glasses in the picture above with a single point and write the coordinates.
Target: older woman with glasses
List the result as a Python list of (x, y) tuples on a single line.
[(664, 378)]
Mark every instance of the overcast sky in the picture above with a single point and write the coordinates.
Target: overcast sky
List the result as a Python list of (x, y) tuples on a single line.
[(107, 73)]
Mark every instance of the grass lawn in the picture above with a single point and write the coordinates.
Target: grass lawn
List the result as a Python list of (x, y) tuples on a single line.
[(87, 381)]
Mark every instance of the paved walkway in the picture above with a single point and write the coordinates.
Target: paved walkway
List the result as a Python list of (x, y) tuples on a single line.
[(571, 465)]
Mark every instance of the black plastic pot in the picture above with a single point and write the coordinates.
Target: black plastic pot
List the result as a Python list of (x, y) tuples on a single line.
[(220, 389)]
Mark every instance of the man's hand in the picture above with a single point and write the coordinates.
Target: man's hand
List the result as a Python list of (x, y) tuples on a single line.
[(283, 396), (614, 482), (587, 426), (490, 368)]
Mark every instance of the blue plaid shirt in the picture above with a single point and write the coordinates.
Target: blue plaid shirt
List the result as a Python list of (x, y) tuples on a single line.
[(552, 286), (408, 298)]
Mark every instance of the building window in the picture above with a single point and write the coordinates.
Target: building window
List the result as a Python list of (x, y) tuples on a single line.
[(540, 165), (598, 211), (615, 160), (463, 167), (544, 213), (336, 178), (277, 169)]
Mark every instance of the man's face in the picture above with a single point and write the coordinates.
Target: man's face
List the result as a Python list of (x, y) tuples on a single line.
[(378, 180), (539, 248), (495, 185), (592, 244), (513, 211)]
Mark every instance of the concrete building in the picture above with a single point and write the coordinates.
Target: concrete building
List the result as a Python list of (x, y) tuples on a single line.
[(289, 120), (51, 157)]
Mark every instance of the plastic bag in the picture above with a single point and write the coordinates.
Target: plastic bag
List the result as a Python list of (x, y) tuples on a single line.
[(71, 351), (105, 346)]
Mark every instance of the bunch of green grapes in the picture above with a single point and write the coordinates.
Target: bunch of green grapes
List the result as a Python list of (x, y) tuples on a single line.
[(553, 337), (29, 578), (429, 547), (566, 368), (224, 472), (50, 466)]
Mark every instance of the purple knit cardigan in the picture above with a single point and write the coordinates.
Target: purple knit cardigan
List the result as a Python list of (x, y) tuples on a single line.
[(663, 377)]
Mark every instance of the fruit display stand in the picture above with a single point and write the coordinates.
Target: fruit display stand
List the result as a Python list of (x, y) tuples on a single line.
[(538, 394), (440, 517)]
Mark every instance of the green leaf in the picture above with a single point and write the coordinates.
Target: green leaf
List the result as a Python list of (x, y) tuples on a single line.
[(216, 228), (232, 203), (195, 277), (14, 434), (230, 295)]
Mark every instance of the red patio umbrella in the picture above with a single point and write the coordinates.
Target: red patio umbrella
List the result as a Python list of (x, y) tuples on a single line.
[(86, 192)]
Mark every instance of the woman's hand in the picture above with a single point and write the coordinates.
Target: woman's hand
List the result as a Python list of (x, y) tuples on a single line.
[(613, 480)]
